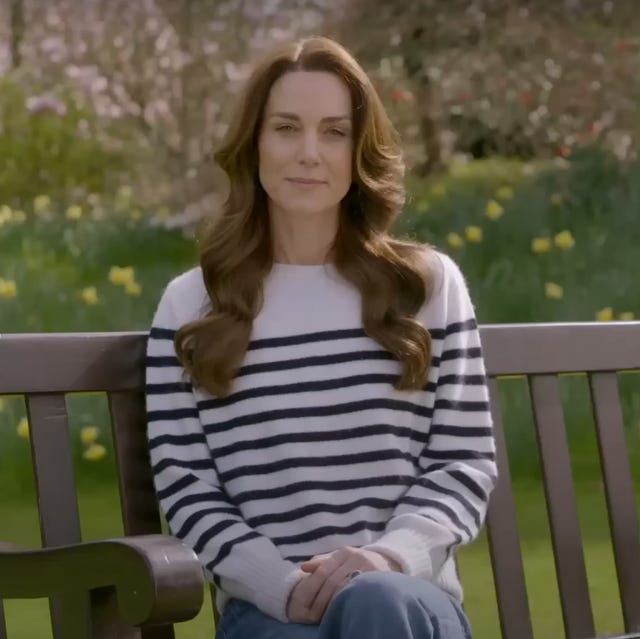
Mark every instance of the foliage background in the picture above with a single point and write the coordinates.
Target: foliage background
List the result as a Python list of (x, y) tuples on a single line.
[(520, 125)]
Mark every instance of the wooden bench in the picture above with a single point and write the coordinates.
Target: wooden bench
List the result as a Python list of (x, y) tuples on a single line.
[(106, 589)]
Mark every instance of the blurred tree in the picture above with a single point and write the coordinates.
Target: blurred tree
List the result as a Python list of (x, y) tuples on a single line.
[(515, 77), (16, 22)]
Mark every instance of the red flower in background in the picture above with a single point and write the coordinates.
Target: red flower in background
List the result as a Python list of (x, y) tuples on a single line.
[(526, 98)]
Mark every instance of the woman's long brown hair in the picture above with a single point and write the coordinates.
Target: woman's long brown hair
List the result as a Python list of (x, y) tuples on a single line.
[(236, 250)]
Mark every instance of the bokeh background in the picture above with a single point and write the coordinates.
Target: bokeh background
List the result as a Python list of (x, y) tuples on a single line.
[(521, 130)]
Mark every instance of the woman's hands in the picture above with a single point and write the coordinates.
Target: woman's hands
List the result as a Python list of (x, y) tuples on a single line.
[(328, 573)]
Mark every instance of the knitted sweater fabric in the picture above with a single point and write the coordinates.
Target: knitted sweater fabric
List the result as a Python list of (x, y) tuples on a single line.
[(314, 449)]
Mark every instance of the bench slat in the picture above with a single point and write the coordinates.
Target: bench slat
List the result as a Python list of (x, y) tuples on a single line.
[(526, 349), (3, 625), (55, 482), (504, 542), (140, 512), (561, 506), (621, 504), (70, 362)]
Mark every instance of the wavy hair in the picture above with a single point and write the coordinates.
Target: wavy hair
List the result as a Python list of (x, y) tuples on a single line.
[(235, 251)]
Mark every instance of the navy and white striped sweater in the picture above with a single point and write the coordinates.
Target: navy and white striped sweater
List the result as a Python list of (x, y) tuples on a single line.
[(314, 449)]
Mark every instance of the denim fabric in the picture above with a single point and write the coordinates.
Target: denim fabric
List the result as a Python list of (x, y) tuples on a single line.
[(374, 605)]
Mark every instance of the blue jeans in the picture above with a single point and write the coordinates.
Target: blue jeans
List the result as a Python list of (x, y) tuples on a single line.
[(374, 605)]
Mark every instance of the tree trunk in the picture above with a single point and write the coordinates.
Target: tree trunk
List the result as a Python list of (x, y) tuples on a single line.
[(16, 21)]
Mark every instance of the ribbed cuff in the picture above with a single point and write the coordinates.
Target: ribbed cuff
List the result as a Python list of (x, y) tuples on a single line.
[(409, 548), (272, 597)]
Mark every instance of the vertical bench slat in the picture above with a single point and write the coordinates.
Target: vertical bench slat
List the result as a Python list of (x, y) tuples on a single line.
[(55, 483), (3, 625), (621, 504), (53, 469), (561, 506), (140, 512), (504, 543)]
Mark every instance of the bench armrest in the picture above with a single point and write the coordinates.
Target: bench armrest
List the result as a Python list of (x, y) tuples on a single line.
[(157, 578)]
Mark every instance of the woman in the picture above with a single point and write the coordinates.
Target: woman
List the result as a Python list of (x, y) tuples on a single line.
[(318, 417)]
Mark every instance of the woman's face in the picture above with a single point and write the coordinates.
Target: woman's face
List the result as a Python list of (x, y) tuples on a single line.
[(305, 145)]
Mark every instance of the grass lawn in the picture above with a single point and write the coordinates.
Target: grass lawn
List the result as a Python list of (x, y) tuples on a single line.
[(99, 507)]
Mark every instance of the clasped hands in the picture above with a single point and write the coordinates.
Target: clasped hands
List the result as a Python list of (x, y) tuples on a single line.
[(327, 574)]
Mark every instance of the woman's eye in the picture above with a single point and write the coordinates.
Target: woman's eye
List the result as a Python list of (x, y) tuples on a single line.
[(338, 132), (284, 127)]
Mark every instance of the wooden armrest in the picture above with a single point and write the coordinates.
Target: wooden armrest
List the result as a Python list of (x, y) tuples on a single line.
[(157, 578)]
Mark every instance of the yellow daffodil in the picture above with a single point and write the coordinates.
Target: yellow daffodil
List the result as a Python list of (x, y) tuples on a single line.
[(42, 204), (164, 212), (133, 288), (553, 291), (6, 214), (8, 289), (540, 244), (454, 240), (627, 316), (504, 193), (604, 314), (473, 234), (557, 199), (19, 217), (564, 240), (494, 210), (95, 452), (89, 295), (89, 434), (135, 215), (74, 212), (23, 428), (124, 193), (121, 275), (422, 206), (439, 190)]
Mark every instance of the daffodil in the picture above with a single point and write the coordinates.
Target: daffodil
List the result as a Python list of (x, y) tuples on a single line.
[(135, 215), (23, 428), (41, 204), (121, 275), (627, 316), (8, 289), (553, 291), (133, 288), (564, 240), (556, 199), (473, 234), (89, 434), (89, 295), (439, 190), (6, 214), (164, 212), (454, 240), (95, 452), (604, 314), (19, 217), (74, 212), (504, 193), (494, 210), (124, 193), (540, 244)]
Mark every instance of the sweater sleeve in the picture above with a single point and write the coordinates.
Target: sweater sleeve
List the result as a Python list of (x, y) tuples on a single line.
[(446, 505), (245, 564)]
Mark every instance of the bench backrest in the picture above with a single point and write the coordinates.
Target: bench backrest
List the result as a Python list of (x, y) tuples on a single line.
[(45, 367)]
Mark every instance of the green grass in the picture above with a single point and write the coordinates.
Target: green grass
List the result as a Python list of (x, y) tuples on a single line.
[(99, 518)]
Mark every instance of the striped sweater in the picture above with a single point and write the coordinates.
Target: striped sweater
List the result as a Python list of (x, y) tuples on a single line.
[(314, 449)]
